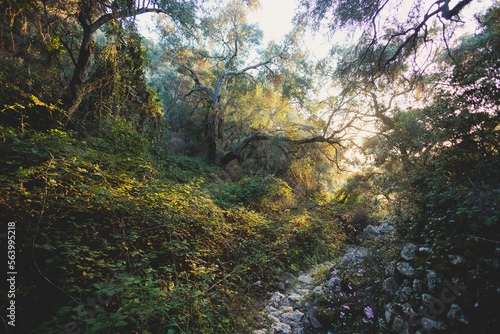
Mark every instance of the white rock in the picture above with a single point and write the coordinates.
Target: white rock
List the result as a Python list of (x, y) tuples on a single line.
[(428, 300), (292, 317), (306, 279), (334, 282), (303, 292), (270, 309), (408, 251), (417, 285), (430, 324), (405, 268), (389, 312), (400, 326), (281, 328), (456, 314), (425, 250), (312, 318), (431, 280), (295, 297), (456, 259), (273, 318), (385, 228), (391, 268), (404, 293), (355, 254), (319, 290), (370, 232), (390, 285), (277, 298)]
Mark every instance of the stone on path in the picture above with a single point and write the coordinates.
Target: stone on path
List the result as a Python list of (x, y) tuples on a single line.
[(277, 298), (292, 317), (408, 251), (312, 318), (355, 254), (281, 328), (456, 315), (295, 297), (390, 285), (430, 324), (405, 268), (306, 279)]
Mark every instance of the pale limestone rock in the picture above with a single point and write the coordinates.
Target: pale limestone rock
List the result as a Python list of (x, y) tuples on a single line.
[(295, 297), (292, 317), (273, 318), (318, 290), (456, 315), (404, 293), (408, 251), (389, 312), (400, 326), (390, 285), (385, 228), (430, 324), (405, 268), (431, 280), (428, 300), (417, 285), (281, 328), (306, 279), (312, 318)]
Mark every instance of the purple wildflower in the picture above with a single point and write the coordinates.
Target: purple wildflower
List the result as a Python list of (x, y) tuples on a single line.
[(369, 312)]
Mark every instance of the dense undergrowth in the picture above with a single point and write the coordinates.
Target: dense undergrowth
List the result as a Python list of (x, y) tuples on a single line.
[(113, 239)]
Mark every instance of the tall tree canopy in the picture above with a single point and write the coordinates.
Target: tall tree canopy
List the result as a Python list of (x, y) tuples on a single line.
[(220, 63), (66, 30), (388, 32)]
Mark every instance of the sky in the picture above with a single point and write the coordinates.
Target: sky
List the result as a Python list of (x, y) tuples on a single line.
[(274, 17)]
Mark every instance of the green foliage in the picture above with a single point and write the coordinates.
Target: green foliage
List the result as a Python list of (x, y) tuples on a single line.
[(257, 192), (112, 242), (118, 79), (26, 94), (183, 169), (448, 180)]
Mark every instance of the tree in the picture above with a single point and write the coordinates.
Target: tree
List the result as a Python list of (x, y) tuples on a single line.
[(447, 180), (216, 57), (92, 15), (58, 36), (389, 31)]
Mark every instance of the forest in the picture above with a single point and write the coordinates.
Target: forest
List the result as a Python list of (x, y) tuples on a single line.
[(169, 184)]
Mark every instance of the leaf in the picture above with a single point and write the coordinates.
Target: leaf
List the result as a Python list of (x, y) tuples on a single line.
[(121, 323)]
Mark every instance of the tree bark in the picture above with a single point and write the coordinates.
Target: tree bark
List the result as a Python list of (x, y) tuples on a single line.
[(236, 152), (75, 91)]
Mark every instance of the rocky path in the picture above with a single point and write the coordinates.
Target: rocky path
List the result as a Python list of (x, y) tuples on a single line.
[(414, 288), (291, 310)]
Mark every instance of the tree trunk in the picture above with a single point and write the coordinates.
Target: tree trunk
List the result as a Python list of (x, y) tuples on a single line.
[(76, 89), (212, 136)]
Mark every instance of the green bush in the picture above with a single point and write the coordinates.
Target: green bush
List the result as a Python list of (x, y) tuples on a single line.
[(112, 242), (257, 192)]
